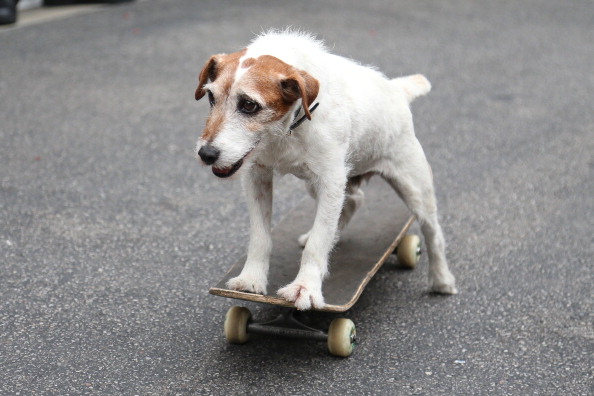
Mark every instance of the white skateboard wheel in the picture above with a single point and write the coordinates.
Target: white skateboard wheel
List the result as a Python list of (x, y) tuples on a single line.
[(236, 323), (341, 337), (409, 251)]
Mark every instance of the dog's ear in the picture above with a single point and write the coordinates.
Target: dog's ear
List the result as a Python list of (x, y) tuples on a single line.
[(300, 85), (209, 72)]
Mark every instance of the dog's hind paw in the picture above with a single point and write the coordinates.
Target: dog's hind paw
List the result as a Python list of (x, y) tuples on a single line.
[(444, 289), (445, 283), (247, 284), (303, 296)]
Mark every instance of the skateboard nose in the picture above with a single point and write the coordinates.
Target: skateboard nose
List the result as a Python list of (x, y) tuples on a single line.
[(209, 154)]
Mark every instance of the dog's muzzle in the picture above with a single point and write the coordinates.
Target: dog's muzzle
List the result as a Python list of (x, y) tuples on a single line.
[(210, 155)]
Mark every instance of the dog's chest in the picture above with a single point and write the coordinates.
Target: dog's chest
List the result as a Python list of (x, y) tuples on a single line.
[(287, 156), (301, 171)]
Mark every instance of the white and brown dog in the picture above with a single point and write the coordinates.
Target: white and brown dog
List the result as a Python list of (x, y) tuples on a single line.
[(259, 98)]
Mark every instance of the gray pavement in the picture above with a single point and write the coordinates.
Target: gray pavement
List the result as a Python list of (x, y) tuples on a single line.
[(111, 232)]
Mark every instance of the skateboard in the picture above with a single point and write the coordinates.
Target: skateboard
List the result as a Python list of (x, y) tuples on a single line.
[(376, 231)]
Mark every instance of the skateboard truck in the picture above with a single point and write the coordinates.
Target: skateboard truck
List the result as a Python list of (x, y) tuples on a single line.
[(340, 338), (287, 325)]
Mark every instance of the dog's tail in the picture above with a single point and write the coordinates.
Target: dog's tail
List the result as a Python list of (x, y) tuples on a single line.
[(413, 86)]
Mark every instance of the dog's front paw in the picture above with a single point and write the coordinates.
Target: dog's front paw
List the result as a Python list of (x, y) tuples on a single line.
[(247, 283), (443, 283), (303, 295)]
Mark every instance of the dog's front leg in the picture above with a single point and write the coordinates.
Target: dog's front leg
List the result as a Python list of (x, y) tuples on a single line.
[(257, 183), (306, 290)]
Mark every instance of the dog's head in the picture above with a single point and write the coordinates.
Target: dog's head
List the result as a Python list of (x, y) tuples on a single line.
[(249, 98)]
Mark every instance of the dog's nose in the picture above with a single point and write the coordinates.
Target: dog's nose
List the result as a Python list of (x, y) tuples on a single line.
[(208, 154)]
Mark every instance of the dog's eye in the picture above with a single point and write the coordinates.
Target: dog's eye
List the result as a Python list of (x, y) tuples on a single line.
[(211, 99), (248, 106)]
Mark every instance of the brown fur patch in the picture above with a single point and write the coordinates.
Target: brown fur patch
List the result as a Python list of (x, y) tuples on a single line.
[(213, 125), (219, 67), (248, 63), (278, 83), (268, 76)]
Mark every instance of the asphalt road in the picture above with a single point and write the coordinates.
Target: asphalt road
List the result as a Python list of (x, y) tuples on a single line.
[(111, 233)]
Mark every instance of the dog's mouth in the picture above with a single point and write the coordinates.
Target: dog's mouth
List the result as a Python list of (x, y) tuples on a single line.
[(226, 172), (230, 170)]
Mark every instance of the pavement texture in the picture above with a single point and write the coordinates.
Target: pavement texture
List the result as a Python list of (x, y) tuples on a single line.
[(111, 233)]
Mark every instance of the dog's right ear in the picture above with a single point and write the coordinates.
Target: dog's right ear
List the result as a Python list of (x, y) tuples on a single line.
[(208, 73), (300, 85)]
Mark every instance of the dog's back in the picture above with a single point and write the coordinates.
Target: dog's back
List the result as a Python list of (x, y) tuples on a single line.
[(307, 53), (359, 105)]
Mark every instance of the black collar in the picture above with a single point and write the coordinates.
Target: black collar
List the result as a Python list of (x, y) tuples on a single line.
[(296, 124)]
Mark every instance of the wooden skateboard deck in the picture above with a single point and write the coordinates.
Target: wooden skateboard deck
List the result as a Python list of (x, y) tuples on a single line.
[(372, 235)]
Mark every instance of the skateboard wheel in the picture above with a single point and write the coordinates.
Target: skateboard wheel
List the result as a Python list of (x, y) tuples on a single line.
[(409, 251), (341, 337), (236, 323)]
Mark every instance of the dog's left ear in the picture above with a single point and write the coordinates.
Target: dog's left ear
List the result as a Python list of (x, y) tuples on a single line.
[(300, 85), (209, 72)]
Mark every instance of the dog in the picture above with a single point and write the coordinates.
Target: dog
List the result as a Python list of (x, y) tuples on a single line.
[(285, 104)]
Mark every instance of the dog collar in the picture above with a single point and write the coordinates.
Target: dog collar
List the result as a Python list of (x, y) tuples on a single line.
[(295, 124)]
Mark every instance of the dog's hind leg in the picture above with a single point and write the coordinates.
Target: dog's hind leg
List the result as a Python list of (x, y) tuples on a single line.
[(411, 178), (312, 192), (353, 200)]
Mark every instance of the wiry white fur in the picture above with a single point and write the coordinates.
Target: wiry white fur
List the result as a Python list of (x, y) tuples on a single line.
[(363, 126)]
